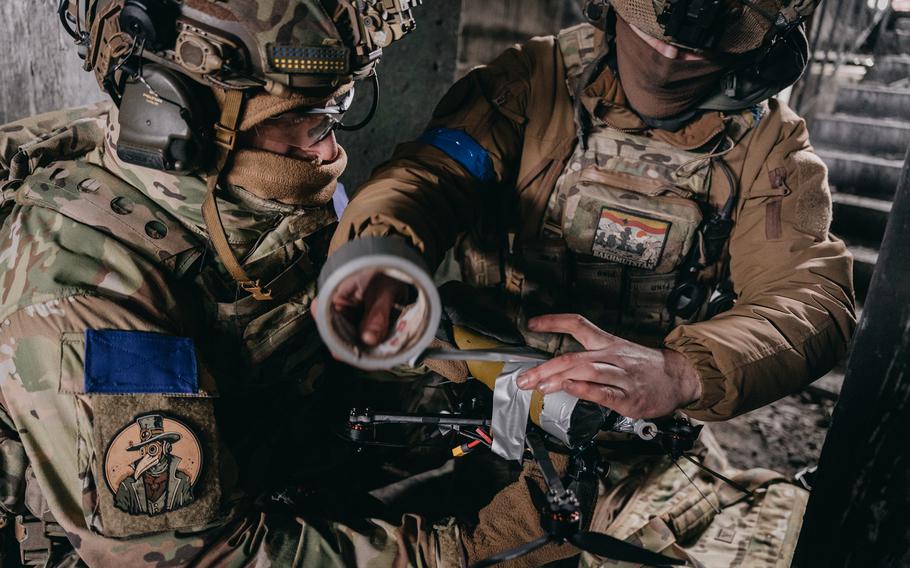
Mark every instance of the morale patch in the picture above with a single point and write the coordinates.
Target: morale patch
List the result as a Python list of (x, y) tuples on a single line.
[(152, 465), (129, 362), (633, 240)]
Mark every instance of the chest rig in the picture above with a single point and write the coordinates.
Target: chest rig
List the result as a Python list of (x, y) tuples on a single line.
[(630, 238)]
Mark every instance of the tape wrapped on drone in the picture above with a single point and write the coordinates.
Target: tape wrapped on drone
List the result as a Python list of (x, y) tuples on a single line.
[(563, 416)]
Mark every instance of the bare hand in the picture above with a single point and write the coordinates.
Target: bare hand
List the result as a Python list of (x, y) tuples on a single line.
[(367, 301), (633, 380)]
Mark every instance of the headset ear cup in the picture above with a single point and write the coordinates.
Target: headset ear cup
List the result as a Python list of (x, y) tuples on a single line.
[(596, 11), (166, 121), (784, 62)]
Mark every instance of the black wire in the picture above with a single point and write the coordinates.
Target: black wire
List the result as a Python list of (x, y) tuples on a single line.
[(61, 12), (513, 553), (727, 211), (606, 546), (725, 479), (373, 106)]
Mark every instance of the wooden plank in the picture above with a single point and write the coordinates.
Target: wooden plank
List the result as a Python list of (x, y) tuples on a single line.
[(40, 71)]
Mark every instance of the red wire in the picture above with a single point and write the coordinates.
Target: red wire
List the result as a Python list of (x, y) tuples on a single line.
[(484, 435)]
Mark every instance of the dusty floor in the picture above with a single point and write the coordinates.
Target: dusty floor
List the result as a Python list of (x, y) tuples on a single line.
[(786, 436)]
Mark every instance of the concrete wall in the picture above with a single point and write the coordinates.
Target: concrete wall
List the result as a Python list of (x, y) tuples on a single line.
[(451, 38), (491, 26), (39, 68), (414, 74)]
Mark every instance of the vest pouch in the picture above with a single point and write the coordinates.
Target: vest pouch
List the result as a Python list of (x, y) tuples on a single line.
[(480, 266), (649, 232), (544, 263)]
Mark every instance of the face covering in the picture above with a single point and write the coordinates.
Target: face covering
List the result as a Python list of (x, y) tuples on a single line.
[(657, 86), (285, 179)]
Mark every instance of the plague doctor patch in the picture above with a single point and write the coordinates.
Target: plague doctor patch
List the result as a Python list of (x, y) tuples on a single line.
[(630, 239), (152, 465)]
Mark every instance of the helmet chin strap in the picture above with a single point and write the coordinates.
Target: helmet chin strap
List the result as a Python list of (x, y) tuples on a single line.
[(226, 141)]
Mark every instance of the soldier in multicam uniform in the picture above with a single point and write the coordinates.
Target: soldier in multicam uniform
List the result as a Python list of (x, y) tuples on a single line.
[(158, 261), (636, 170)]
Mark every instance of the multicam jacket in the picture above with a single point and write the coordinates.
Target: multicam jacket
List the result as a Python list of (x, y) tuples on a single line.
[(113, 313)]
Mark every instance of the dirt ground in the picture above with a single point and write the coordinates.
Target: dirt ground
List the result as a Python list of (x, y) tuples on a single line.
[(786, 436)]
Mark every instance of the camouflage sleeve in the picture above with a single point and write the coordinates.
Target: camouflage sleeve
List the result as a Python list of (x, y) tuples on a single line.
[(96, 358), (795, 309), (434, 188), (42, 354)]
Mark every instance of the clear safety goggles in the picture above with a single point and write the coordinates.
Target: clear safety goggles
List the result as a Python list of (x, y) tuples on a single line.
[(306, 126)]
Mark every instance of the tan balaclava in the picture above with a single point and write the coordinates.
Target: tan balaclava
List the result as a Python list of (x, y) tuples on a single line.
[(657, 86), (286, 179)]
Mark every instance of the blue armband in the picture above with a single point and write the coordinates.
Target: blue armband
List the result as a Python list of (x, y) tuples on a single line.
[(459, 146)]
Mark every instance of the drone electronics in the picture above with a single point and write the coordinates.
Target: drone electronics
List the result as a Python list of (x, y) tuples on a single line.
[(574, 424)]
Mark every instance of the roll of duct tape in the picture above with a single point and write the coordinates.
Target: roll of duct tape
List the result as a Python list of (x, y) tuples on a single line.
[(415, 324)]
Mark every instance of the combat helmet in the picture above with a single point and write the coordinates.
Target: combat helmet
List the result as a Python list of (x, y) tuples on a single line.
[(189, 75), (767, 36), (305, 50)]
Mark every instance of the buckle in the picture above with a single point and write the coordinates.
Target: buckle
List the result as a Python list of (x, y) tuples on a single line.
[(254, 288), (225, 137), (36, 539)]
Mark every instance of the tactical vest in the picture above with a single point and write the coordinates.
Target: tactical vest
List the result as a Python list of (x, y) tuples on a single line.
[(624, 226)]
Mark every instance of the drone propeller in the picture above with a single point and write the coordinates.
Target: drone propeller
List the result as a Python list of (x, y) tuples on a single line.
[(561, 520), (608, 546), (596, 543)]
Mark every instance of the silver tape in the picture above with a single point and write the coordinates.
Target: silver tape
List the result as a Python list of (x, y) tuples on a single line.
[(510, 412), (416, 326), (556, 415)]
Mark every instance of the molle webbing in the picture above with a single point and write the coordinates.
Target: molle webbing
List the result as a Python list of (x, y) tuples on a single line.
[(91, 196)]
